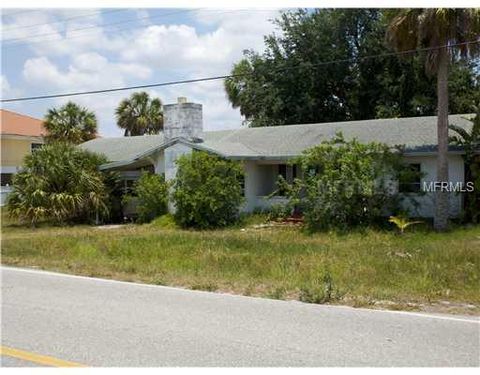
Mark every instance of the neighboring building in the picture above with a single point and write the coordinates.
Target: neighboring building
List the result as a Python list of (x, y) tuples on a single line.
[(266, 152), (20, 135)]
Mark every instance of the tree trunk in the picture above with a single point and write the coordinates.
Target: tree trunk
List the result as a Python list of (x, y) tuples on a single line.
[(442, 198)]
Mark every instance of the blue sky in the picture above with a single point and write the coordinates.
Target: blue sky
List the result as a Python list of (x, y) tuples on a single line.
[(51, 51)]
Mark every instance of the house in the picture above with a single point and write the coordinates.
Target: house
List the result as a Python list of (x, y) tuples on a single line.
[(20, 135), (266, 152)]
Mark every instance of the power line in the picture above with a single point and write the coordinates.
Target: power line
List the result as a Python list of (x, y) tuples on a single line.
[(214, 78), (19, 12), (93, 27), (16, 45), (7, 29)]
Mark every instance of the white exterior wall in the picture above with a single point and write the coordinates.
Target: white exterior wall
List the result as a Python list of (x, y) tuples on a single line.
[(159, 163), (428, 165), (260, 178), (171, 154), (4, 191), (259, 183), (252, 176)]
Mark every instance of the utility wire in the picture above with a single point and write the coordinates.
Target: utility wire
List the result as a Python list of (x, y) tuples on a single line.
[(80, 35), (92, 27), (214, 78), (7, 29), (18, 12)]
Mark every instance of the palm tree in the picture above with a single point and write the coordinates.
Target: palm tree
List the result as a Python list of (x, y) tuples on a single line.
[(70, 123), (438, 27), (59, 182), (140, 115)]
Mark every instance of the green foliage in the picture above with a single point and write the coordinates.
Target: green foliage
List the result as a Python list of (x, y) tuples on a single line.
[(151, 196), (428, 28), (70, 123), (59, 182), (365, 267), (207, 191), (140, 114), (289, 84), (470, 142), (402, 223), (412, 28), (278, 211), (114, 192), (253, 218), (319, 290), (344, 183), (166, 221)]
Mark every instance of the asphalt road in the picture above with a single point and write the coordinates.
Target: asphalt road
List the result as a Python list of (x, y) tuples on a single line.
[(107, 323)]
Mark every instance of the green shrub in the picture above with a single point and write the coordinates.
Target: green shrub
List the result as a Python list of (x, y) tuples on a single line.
[(164, 222), (344, 184), (470, 142), (152, 197), (251, 219), (207, 191), (278, 212), (59, 182), (319, 290)]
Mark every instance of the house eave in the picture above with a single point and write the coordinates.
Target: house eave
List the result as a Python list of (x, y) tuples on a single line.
[(201, 147), (153, 150)]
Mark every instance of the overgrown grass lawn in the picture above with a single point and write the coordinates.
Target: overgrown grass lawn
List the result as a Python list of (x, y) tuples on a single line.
[(417, 270)]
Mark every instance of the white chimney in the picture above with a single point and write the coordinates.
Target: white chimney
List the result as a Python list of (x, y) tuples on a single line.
[(183, 120)]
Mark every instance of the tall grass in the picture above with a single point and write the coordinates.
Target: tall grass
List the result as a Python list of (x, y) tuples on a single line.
[(356, 268)]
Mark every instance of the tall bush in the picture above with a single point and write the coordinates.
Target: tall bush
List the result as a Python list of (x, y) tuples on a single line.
[(470, 142), (152, 197), (207, 191), (345, 184), (59, 182)]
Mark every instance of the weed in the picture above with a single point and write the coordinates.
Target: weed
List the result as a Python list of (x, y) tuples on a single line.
[(372, 265)]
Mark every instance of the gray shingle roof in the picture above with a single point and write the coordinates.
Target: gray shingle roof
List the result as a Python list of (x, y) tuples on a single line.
[(417, 134)]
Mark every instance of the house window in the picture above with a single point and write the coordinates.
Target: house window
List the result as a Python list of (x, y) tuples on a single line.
[(241, 180), (129, 187), (35, 146), (289, 173), (294, 171), (282, 171), (6, 179), (410, 180)]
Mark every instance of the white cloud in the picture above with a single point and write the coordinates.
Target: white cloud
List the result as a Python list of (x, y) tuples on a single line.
[(209, 44), (86, 71), (90, 62), (168, 46), (6, 88), (56, 32)]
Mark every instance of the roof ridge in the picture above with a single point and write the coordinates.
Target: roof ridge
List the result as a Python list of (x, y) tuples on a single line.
[(21, 114), (230, 132), (344, 122)]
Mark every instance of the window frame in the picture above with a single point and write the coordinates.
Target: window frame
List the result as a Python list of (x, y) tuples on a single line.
[(9, 179), (412, 187), (34, 146)]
